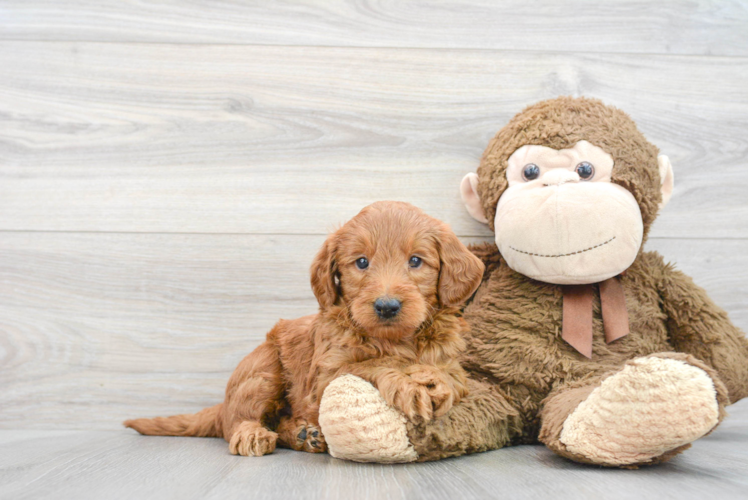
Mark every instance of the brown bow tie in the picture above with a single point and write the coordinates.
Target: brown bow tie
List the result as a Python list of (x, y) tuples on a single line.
[(577, 319)]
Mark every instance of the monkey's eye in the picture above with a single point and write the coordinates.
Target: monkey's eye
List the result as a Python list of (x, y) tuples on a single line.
[(415, 261), (530, 172), (585, 170), (362, 263)]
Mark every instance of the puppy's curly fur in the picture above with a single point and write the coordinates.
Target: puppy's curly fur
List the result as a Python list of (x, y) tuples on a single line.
[(411, 357)]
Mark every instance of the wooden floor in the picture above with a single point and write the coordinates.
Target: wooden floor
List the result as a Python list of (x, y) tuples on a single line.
[(168, 170), (113, 465)]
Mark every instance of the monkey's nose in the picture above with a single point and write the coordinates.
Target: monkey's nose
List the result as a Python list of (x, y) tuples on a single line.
[(558, 176), (387, 308)]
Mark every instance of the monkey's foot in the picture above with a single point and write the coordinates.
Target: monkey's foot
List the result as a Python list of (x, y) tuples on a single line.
[(359, 425), (650, 410), (252, 439)]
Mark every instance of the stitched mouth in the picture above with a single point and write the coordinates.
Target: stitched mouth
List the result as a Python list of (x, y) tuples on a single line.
[(564, 254)]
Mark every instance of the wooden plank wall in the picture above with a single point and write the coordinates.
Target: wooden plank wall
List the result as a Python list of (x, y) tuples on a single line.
[(168, 169)]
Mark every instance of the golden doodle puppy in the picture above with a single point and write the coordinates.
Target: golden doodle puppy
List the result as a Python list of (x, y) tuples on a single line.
[(389, 284)]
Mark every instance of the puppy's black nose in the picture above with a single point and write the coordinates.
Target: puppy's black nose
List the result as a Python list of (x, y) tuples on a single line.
[(387, 308)]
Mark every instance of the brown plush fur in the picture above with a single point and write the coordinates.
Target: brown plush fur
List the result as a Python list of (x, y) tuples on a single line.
[(530, 378), (274, 393)]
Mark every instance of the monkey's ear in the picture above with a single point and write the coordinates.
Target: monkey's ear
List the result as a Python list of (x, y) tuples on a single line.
[(324, 273), (666, 179), (460, 272), (469, 193)]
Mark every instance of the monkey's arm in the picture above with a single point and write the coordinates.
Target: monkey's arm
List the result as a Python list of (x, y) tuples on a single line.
[(697, 326), (486, 419)]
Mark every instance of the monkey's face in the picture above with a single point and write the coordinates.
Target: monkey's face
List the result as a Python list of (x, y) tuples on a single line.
[(561, 220), (565, 210)]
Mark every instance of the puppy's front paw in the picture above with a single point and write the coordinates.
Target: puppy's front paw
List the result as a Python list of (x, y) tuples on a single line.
[(411, 398), (423, 391), (252, 439), (441, 391)]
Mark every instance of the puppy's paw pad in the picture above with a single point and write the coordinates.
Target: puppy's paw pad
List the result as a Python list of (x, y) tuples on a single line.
[(310, 439)]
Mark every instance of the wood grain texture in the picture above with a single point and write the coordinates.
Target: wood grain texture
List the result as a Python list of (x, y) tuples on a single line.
[(90, 464), (168, 170), (671, 27), (135, 318), (248, 139), (96, 328)]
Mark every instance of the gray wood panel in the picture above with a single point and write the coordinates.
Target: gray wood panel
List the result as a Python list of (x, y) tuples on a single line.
[(90, 464), (248, 139), (633, 26), (95, 328), (168, 170)]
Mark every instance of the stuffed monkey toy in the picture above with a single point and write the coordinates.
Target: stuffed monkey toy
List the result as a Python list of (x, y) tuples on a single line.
[(579, 339)]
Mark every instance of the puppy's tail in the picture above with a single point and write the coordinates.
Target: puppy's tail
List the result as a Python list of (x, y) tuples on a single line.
[(205, 423)]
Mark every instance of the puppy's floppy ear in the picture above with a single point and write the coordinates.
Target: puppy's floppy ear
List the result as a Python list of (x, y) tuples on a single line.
[(461, 272), (325, 273)]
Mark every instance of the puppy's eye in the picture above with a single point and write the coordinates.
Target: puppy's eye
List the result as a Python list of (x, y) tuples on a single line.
[(362, 263), (415, 261)]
